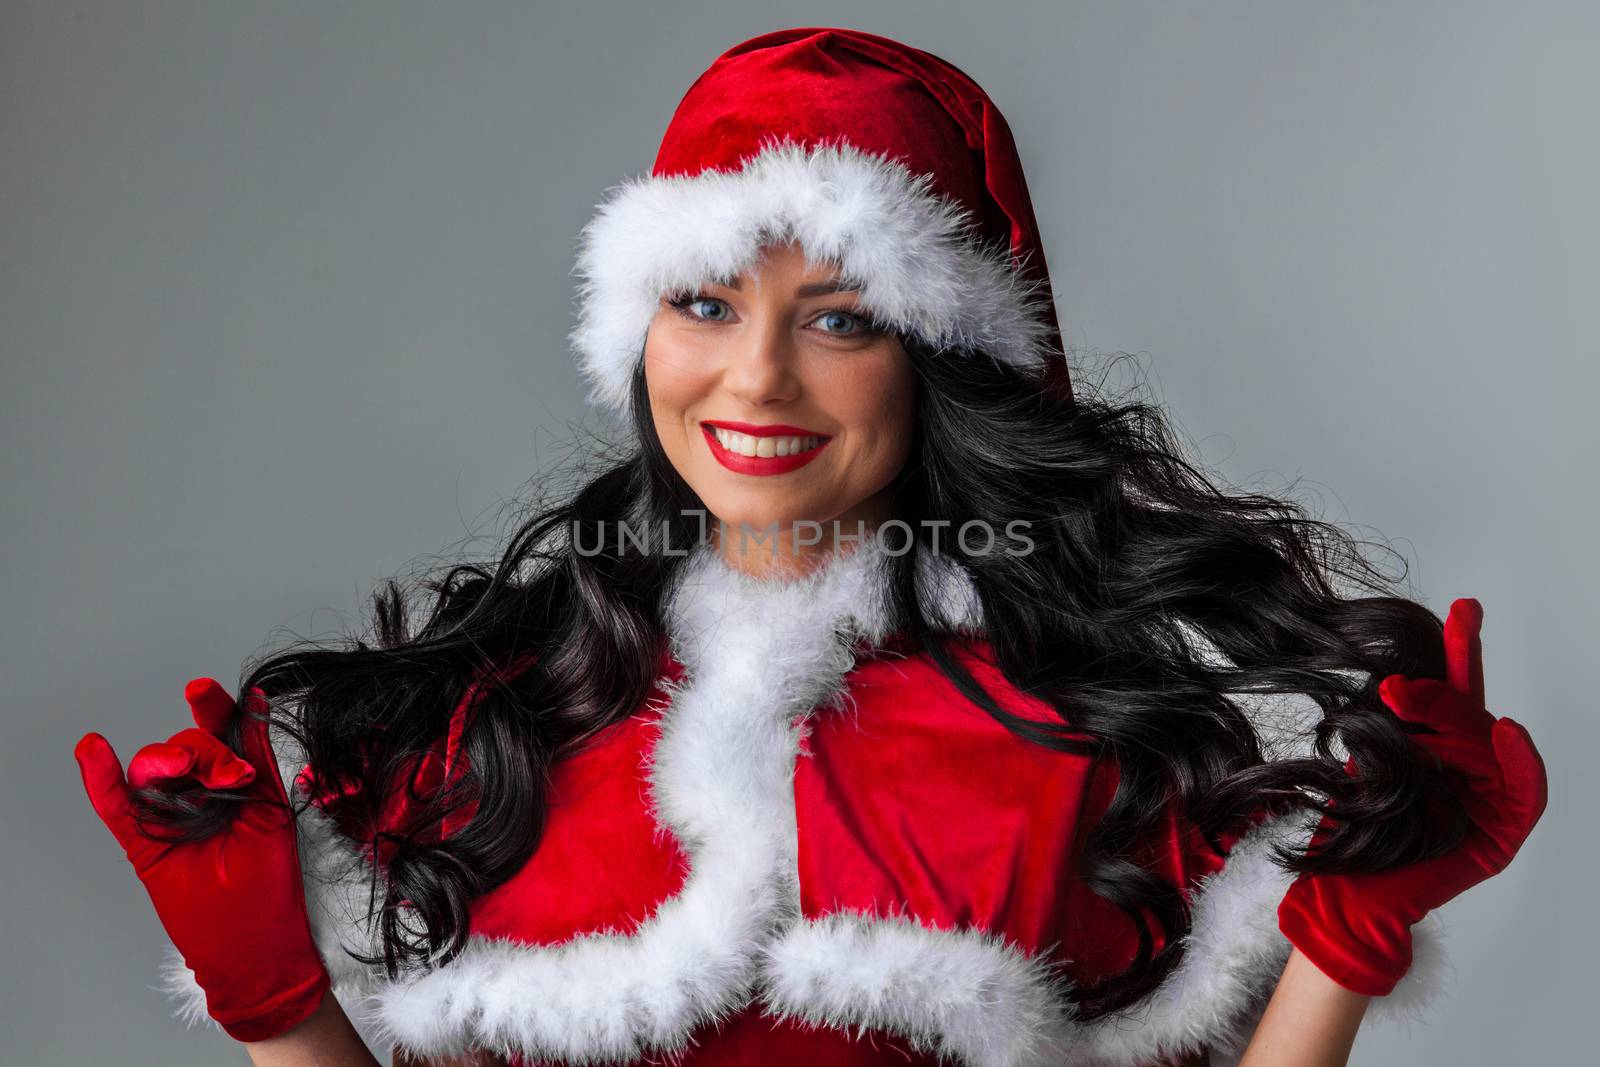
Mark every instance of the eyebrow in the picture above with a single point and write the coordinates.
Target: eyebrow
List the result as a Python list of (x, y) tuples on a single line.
[(811, 289)]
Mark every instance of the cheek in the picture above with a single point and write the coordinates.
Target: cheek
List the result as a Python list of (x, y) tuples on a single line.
[(879, 402), (674, 380)]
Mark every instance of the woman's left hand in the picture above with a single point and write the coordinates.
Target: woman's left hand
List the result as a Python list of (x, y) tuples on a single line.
[(1357, 927)]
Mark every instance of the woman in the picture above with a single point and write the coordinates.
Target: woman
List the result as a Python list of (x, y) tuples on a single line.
[(893, 702)]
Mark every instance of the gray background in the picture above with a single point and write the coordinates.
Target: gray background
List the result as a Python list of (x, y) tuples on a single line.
[(284, 291)]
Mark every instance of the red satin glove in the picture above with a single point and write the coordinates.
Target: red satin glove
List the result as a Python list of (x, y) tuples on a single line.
[(1357, 927), (232, 903)]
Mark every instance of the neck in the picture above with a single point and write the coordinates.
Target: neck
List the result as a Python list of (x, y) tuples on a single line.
[(788, 553), (845, 592), (794, 550)]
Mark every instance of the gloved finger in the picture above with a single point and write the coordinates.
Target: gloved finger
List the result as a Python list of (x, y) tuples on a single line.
[(216, 765), (212, 706), (107, 789), (1463, 648), (160, 765), (1527, 785), (257, 743), (1435, 704), (188, 756)]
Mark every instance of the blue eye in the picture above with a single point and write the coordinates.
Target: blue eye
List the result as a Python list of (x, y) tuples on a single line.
[(847, 323), (697, 307), (706, 308)]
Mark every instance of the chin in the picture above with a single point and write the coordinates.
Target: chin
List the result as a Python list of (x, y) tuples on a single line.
[(759, 519)]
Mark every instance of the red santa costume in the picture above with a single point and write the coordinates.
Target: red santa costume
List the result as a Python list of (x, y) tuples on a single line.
[(808, 845)]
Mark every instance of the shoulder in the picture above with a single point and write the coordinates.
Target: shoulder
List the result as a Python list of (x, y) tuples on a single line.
[(901, 671)]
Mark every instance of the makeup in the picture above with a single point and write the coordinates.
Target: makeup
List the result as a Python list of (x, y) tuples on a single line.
[(775, 448)]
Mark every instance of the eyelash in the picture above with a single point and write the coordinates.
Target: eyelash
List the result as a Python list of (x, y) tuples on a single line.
[(864, 325)]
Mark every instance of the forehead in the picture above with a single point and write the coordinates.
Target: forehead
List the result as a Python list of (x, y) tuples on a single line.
[(789, 264)]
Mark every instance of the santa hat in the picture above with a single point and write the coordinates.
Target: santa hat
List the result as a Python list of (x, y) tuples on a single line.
[(872, 155)]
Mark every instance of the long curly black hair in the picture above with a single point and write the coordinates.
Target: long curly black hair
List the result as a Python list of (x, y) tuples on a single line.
[(1143, 571)]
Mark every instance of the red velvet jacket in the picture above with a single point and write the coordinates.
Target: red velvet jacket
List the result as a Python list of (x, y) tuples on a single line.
[(808, 847)]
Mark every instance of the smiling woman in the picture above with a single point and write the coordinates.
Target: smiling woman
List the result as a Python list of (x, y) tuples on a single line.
[(1011, 803), (785, 338)]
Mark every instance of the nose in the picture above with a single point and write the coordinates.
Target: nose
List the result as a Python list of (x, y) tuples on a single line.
[(759, 365)]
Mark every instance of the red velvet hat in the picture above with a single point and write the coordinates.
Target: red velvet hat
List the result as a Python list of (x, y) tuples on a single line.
[(872, 155)]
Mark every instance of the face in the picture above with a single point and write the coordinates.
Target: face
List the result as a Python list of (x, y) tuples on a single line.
[(777, 402)]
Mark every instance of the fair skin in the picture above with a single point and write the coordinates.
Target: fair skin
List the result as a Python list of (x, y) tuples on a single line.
[(779, 350), (1311, 1020), (776, 349), (327, 1039)]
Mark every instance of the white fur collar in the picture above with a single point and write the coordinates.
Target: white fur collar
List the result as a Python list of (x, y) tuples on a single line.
[(844, 598), (759, 654)]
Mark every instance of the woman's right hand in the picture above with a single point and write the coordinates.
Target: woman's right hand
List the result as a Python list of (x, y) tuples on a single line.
[(232, 903)]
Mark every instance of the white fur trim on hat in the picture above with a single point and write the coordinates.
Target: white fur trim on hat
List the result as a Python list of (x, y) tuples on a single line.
[(912, 250)]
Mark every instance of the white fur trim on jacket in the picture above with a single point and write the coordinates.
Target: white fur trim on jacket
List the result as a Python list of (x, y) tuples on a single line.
[(912, 250), (758, 656)]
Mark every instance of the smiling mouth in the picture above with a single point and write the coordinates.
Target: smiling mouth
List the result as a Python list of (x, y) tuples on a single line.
[(766, 453), (767, 446)]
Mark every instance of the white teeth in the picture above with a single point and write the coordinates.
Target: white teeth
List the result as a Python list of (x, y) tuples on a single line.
[(746, 445)]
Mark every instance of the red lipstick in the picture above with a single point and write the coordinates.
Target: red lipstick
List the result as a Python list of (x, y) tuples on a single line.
[(742, 464)]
